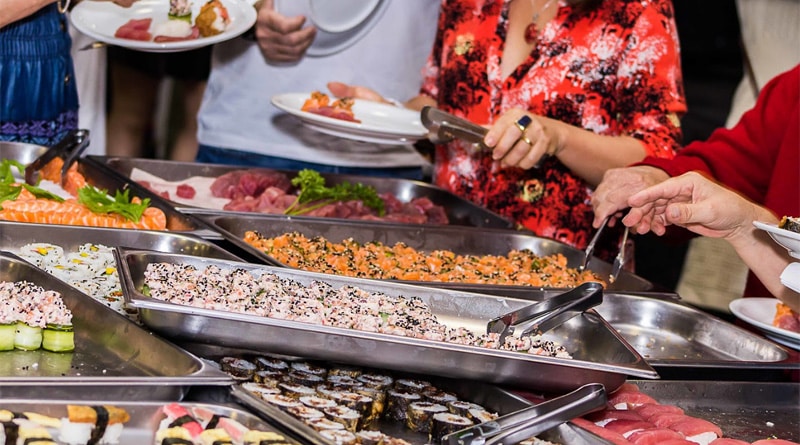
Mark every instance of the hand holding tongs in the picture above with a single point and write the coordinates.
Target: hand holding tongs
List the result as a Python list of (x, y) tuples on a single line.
[(528, 422), (619, 260), (545, 315), (69, 149), (444, 127)]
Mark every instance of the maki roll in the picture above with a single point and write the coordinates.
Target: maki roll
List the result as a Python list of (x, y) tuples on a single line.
[(281, 401), (342, 370), (27, 338), (340, 437), (305, 413), (344, 415), (366, 437), (92, 424), (480, 415), (238, 368), (259, 390), (378, 404), (411, 385), (317, 402), (376, 381), (309, 368), (446, 423), (324, 424), (462, 407), (339, 381), (180, 10), (271, 364), (212, 19), (296, 391), (305, 378), (397, 403), (420, 416), (435, 395), (789, 223), (269, 378)]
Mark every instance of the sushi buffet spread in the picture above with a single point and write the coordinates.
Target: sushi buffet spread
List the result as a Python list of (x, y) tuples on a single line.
[(119, 334)]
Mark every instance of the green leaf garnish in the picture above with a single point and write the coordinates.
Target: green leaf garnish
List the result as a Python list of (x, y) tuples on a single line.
[(42, 193), (314, 194), (6, 175), (98, 201)]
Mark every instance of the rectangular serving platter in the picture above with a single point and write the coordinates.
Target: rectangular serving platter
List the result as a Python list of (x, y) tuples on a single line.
[(461, 240), (491, 397), (681, 341), (745, 410), (600, 354), (100, 178), (113, 357), (145, 416), (459, 211)]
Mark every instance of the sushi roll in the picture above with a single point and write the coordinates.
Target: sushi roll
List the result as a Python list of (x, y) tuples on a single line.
[(238, 368), (296, 391), (378, 403), (305, 378), (390, 440), (324, 424), (254, 437), (420, 416), (344, 415), (397, 403), (789, 223), (377, 381), (366, 437), (360, 403), (27, 338), (342, 370), (281, 401), (309, 368), (317, 402), (339, 381), (340, 437), (480, 415), (180, 10), (58, 338), (435, 395), (462, 407), (259, 389), (269, 378), (92, 424), (445, 423), (271, 364), (411, 385), (305, 413), (212, 19), (215, 436), (176, 435)]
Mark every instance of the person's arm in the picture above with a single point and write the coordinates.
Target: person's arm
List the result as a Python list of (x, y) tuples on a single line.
[(13, 10), (697, 203), (281, 39)]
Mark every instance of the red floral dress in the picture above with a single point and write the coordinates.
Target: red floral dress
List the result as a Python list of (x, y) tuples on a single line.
[(614, 71)]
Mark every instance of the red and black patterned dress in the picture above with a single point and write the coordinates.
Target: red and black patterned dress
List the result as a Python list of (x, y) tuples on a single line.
[(614, 71)]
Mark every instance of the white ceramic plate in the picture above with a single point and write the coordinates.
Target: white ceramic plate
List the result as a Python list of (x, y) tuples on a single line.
[(380, 123), (786, 238), (100, 20), (760, 312), (340, 23)]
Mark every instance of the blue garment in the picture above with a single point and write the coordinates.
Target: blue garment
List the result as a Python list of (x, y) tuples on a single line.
[(216, 155), (38, 94)]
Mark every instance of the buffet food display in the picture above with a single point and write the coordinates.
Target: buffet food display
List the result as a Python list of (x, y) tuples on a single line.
[(352, 332)]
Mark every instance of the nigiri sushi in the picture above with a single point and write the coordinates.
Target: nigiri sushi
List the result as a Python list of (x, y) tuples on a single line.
[(92, 424), (213, 18)]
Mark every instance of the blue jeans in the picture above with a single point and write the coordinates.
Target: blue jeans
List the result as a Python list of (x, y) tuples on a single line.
[(215, 155)]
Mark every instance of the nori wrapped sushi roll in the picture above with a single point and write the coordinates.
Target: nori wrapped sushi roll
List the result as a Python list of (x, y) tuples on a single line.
[(435, 395), (340, 437), (420, 416), (789, 223), (397, 403), (259, 389), (462, 407), (316, 402), (446, 423), (296, 391), (411, 385), (305, 413), (378, 404), (366, 437), (238, 368), (270, 378), (305, 378), (344, 382), (342, 370), (281, 401), (344, 415), (271, 364), (324, 424), (377, 381), (309, 368)]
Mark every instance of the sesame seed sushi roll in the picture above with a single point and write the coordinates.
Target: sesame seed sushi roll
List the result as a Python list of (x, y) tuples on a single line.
[(344, 415), (271, 364), (367, 437), (27, 338), (420, 416), (305, 413), (260, 390), (281, 401), (324, 424), (397, 403), (42, 255), (377, 381), (238, 368), (296, 391), (176, 435), (340, 437), (215, 436), (325, 391), (254, 437), (445, 423), (317, 402)]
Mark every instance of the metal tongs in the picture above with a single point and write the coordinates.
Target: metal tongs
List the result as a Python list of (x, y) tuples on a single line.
[(69, 149), (528, 422), (444, 127), (545, 315), (619, 260)]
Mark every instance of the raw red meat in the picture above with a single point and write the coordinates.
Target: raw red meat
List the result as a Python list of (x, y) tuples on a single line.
[(628, 426), (677, 442), (727, 441), (629, 399), (648, 410), (611, 436), (608, 415), (665, 420), (653, 436), (774, 442), (241, 183), (692, 426), (185, 191), (194, 35), (135, 29)]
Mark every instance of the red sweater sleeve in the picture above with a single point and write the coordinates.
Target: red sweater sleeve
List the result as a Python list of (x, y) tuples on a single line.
[(744, 157)]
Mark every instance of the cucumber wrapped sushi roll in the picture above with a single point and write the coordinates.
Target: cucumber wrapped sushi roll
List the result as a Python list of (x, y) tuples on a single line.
[(420, 415), (445, 423), (27, 338), (58, 338), (180, 10), (8, 332)]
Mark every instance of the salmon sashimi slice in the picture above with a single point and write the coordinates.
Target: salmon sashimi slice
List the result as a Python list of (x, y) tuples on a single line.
[(70, 212)]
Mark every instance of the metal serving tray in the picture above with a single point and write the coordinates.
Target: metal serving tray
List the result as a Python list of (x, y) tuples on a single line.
[(680, 340), (144, 416), (491, 397), (459, 211), (746, 411), (600, 354), (113, 358), (100, 178), (461, 240)]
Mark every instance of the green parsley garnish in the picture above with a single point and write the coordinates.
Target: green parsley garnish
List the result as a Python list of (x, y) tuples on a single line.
[(98, 201), (315, 194)]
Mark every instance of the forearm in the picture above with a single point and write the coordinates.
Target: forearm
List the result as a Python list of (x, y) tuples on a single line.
[(13, 10), (590, 155)]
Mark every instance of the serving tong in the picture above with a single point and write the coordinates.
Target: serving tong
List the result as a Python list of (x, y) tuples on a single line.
[(528, 422), (443, 127), (69, 148), (545, 315), (619, 260)]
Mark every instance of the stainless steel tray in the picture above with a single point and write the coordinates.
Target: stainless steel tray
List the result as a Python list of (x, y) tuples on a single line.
[(491, 397), (600, 354), (100, 177), (746, 411), (113, 358), (461, 240), (459, 211), (144, 416), (670, 334)]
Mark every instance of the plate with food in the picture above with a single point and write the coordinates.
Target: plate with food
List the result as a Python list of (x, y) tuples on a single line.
[(776, 320), (786, 233), (161, 26), (357, 119)]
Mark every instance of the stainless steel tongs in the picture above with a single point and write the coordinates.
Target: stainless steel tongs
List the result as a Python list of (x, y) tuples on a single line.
[(69, 149), (444, 127), (528, 422), (545, 315), (619, 260)]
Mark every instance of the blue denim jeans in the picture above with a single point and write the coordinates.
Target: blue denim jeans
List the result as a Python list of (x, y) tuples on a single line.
[(216, 155)]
